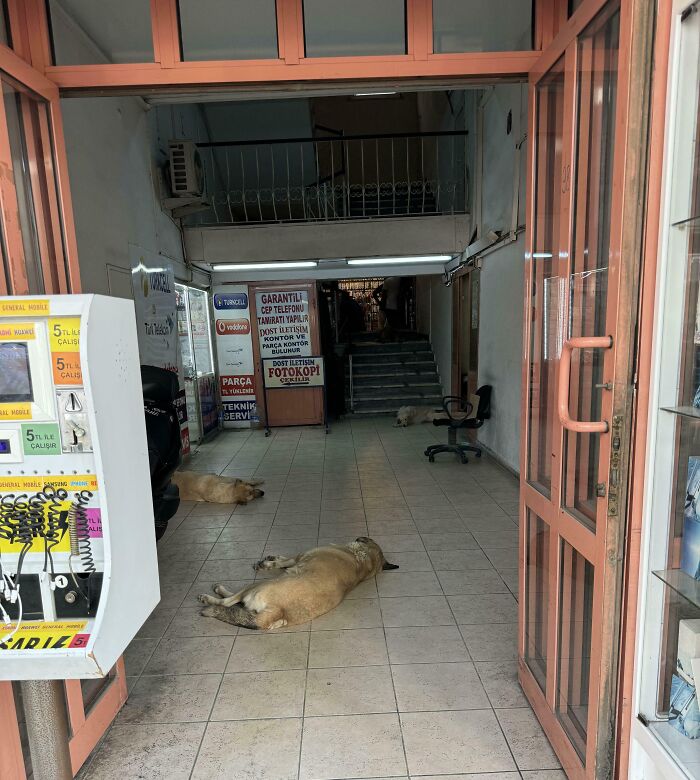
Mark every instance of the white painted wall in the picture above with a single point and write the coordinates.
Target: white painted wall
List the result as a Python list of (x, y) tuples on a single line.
[(500, 348), (113, 162), (441, 330)]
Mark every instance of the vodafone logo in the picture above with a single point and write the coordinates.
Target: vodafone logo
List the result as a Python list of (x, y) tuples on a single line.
[(240, 327)]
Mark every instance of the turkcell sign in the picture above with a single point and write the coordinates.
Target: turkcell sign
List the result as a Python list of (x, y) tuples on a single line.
[(227, 301)]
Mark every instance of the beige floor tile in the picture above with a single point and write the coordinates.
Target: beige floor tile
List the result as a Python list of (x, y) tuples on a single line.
[(260, 695), (441, 686), (486, 608), (156, 623), (293, 532), (408, 583), (365, 590), (351, 613), (233, 569), (495, 642), (416, 611), (490, 540), (358, 647), (425, 644), (500, 679), (542, 774), (269, 652), (250, 750), (190, 655), (190, 551), (476, 581), (189, 622), (440, 525), (358, 746), (454, 742), (449, 541), (354, 690), (137, 654), (246, 533), (171, 699), (504, 558), (477, 776), (411, 561), (526, 739), (399, 542), (238, 549), (155, 751), (459, 560)]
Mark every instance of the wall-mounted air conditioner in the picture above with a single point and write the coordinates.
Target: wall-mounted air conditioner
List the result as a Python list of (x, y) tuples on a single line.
[(186, 179)]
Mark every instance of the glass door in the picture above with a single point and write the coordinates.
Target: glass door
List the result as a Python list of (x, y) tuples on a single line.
[(196, 347), (576, 345)]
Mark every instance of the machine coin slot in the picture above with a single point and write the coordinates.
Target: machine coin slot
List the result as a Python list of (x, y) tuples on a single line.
[(75, 431)]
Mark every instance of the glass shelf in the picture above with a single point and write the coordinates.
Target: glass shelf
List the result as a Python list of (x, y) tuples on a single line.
[(684, 411), (681, 583)]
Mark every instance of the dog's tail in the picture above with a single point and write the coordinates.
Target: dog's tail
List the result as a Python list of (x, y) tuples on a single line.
[(236, 614)]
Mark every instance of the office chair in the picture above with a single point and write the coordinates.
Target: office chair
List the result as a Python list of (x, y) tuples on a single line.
[(461, 419)]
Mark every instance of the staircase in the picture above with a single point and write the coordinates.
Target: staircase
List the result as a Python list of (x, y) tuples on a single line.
[(387, 376)]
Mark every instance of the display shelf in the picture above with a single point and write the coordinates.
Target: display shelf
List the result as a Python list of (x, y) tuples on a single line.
[(681, 583), (689, 412)]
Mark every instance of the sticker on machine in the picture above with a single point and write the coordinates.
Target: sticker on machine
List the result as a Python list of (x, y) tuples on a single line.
[(62, 635)]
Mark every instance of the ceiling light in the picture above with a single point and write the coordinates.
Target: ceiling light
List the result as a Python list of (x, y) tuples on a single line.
[(400, 260), (282, 266), (373, 94)]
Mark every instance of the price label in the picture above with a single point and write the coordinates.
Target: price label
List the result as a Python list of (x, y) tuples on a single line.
[(66, 368), (64, 334)]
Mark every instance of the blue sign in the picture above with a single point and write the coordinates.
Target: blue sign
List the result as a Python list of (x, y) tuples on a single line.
[(227, 301), (236, 410)]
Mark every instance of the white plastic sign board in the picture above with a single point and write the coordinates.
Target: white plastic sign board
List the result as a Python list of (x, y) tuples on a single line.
[(283, 323), (293, 372)]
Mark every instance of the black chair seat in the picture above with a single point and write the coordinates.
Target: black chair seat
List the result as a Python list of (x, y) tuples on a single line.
[(463, 421)]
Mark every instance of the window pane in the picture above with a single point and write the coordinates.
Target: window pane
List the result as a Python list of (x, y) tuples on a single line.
[(537, 597), (87, 32), (336, 28), (575, 628), (228, 29), (5, 37), (482, 25)]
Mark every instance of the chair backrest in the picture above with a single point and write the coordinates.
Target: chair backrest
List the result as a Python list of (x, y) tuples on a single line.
[(483, 411)]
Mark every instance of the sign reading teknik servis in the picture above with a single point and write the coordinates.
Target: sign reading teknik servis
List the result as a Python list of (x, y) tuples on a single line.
[(283, 323)]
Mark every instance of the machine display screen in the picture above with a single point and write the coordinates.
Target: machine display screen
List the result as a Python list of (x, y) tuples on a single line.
[(15, 376), (5, 448)]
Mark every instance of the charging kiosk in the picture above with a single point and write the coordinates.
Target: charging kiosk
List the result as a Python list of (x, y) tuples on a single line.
[(78, 565)]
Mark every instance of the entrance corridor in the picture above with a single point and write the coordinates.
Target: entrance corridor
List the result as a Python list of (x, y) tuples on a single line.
[(414, 675)]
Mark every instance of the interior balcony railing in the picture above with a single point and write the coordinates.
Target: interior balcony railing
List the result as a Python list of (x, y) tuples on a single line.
[(329, 179)]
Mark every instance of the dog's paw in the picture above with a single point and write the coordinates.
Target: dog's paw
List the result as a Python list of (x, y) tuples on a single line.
[(203, 598)]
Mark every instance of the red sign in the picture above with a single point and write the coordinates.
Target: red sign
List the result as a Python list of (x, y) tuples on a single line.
[(237, 385), (239, 327)]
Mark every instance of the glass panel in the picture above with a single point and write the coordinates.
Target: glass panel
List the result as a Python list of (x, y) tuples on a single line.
[(228, 29), (573, 5), (200, 329), (5, 36), (183, 329), (537, 597), (20, 109), (575, 625), (92, 690), (546, 294), (482, 25), (588, 283), (337, 28), (85, 32)]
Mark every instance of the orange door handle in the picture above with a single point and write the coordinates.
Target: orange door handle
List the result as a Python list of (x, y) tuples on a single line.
[(581, 342)]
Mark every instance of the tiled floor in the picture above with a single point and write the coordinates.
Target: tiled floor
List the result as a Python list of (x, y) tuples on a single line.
[(412, 676)]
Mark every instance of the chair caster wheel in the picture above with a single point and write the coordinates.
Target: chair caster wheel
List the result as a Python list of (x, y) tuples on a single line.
[(478, 454), (426, 453), (431, 458), (465, 460)]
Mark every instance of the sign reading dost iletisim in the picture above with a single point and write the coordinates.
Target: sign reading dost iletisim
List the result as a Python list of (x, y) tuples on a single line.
[(293, 372)]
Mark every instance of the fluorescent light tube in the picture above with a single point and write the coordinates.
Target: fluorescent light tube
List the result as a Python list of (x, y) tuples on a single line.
[(281, 266), (373, 94), (399, 260)]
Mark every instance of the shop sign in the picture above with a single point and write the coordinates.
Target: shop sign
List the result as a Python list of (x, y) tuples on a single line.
[(293, 372)]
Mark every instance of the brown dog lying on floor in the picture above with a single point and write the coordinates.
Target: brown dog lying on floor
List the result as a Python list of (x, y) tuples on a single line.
[(312, 584), (216, 489)]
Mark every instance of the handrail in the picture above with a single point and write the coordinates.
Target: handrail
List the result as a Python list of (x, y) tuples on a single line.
[(332, 139)]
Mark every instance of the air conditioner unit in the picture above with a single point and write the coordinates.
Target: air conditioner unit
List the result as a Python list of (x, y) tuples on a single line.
[(186, 171), (185, 174)]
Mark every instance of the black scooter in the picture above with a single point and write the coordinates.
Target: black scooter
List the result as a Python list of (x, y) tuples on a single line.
[(160, 391)]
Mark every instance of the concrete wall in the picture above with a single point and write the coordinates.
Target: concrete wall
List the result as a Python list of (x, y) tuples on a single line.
[(440, 330)]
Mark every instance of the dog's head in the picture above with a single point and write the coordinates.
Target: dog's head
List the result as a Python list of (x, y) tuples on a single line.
[(403, 416), (373, 552)]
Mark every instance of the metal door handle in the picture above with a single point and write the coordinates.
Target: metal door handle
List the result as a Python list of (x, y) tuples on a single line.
[(581, 342)]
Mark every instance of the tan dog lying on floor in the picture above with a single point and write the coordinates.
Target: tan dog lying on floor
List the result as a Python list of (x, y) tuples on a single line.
[(413, 415), (312, 584), (216, 489)]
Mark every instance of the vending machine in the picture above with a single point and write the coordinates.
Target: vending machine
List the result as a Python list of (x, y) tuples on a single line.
[(78, 566)]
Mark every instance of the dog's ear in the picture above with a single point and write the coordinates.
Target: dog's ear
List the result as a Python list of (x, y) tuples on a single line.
[(388, 566)]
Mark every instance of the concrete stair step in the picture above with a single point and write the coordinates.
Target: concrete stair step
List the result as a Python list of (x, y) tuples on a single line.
[(414, 391), (364, 405), (400, 380)]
